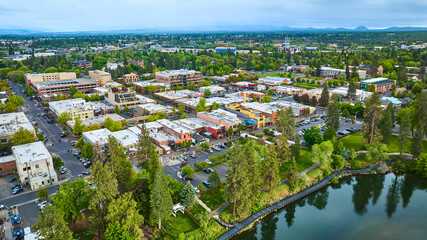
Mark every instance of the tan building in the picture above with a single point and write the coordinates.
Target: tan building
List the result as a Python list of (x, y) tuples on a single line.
[(122, 97), (47, 77), (179, 77), (76, 108), (105, 77), (129, 78)]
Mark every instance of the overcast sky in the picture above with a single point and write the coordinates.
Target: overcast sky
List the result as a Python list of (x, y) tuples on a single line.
[(84, 15)]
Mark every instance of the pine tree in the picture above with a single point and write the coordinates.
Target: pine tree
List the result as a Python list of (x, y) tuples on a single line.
[(386, 125), (333, 119), (324, 98), (347, 71), (351, 93), (119, 164), (420, 123), (404, 131), (285, 122), (271, 168), (293, 174), (296, 148), (283, 152), (143, 147), (188, 195), (160, 201), (372, 116), (51, 225), (214, 179)]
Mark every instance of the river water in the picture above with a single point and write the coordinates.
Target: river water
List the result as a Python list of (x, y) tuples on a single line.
[(360, 207)]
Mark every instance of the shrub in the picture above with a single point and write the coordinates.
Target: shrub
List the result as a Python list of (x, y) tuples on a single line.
[(200, 165), (57, 162), (334, 180), (259, 135)]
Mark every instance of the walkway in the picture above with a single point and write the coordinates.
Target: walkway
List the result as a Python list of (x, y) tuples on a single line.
[(240, 226)]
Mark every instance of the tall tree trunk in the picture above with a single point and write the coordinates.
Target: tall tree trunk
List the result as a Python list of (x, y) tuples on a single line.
[(160, 223), (234, 207), (372, 130)]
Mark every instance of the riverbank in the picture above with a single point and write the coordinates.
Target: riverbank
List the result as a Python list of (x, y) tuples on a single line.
[(279, 205)]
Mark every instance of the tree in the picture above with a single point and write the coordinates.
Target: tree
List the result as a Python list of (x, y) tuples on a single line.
[(214, 179), (112, 125), (123, 211), (242, 179), (201, 106), (72, 198), (22, 136), (73, 90), (420, 119), (329, 134), (285, 122), (322, 154), (283, 152), (417, 88), (207, 92), (266, 99), (188, 197), (312, 136), (143, 147), (117, 109), (342, 76), (293, 174), (308, 71), (333, 119), (376, 152), (372, 116), (114, 232), (51, 225), (160, 200), (87, 150), (324, 97), (386, 124), (13, 102), (43, 194), (229, 131), (215, 106), (271, 170), (187, 171), (296, 148), (119, 163), (313, 101), (338, 161), (305, 99), (421, 165), (105, 190), (351, 92), (78, 126), (64, 117), (404, 131)]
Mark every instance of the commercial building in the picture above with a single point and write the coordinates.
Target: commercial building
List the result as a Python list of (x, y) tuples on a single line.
[(172, 96), (145, 100), (138, 63), (151, 109), (97, 137), (7, 165), (47, 77), (203, 127), (381, 85), (104, 77), (290, 90), (215, 90), (181, 77), (81, 63), (225, 49), (273, 81), (244, 85), (98, 120), (10, 123), (367, 68), (300, 110), (334, 72), (34, 165), (122, 97), (129, 78), (144, 86), (63, 86), (75, 108), (249, 95), (254, 118), (221, 117), (343, 91), (190, 104)]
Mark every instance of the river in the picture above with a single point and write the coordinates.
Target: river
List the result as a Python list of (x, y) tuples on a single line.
[(359, 207)]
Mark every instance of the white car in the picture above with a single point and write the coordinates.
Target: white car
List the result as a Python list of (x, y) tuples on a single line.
[(196, 190), (208, 162)]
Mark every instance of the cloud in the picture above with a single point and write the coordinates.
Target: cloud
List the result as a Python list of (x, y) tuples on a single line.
[(77, 15)]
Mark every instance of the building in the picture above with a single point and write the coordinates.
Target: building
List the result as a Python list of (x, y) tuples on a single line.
[(244, 85), (221, 117), (146, 86), (34, 164), (253, 118), (316, 92), (97, 137), (138, 63), (129, 78), (343, 91), (176, 130), (172, 96), (113, 66), (10, 123), (300, 110), (145, 100), (273, 81), (225, 49), (7, 165), (203, 127), (367, 68), (214, 89), (122, 97), (191, 103), (63, 86), (128, 139), (104, 77), (249, 95), (290, 90), (334, 72), (47, 77), (99, 120), (81, 63), (151, 109), (75, 108), (181, 77), (381, 85)]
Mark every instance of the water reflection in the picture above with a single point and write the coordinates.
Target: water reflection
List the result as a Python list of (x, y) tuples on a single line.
[(357, 207)]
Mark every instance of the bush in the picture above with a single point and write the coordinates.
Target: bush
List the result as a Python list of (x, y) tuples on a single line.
[(270, 139), (259, 135), (334, 180), (57, 162), (43, 194), (201, 187), (200, 165)]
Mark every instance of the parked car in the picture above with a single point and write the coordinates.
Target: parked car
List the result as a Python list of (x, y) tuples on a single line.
[(188, 178), (216, 148), (210, 150), (86, 172), (73, 143), (222, 146), (12, 180), (208, 170), (63, 170), (50, 121), (16, 185), (42, 204), (77, 153), (17, 190), (208, 162), (193, 155), (196, 190), (18, 233), (207, 184), (87, 164)]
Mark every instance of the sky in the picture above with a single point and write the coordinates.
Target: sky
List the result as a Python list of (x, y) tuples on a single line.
[(103, 15)]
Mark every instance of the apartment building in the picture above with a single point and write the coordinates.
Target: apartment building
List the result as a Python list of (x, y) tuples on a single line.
[(47, 77), (104, 77), (75, 108), (334, 72), (81, 63), (10, 123), (122, 97), (181, 77), (129, 78), (34, 165), (381, 85), (63, 86)]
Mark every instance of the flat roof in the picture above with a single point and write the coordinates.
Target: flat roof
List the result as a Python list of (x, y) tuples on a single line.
[(68, 104), (173, 126), (97, 136), (64, 83), (9, 158), (221, 115), (153, 107), (145, 99), (97, 119), (13, 118), (30, 152), (125, 137), (374, 80), (151, 125)]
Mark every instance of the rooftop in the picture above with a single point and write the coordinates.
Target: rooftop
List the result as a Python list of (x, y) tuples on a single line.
[(65, 83), (149, 83), (69, 104), (97, 119), (177, 72), (196, 123), (97, 136), (145, 99), (221, 115), (173, 126), (125, 137), (13, 118), (30, 152), (151, 107), (375, 80)]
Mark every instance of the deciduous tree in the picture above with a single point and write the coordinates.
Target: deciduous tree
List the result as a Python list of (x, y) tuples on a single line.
[(51, 225)]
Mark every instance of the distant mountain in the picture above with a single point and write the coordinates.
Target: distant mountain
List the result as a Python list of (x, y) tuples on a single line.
[(361, 29), (16, 31)]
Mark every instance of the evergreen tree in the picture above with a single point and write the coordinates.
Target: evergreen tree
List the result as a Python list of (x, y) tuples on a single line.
[(386, 124), (271, 168), (372, 116), (351, 93), (296, 148), (119, 164), (404, 131), (51, 225), (293, 174), (214, 179), (160, 201), (283, 152), (324, 98), (420, 123), (143, 147), (347, 71), (285, 122), (333, 119), (402, 74), (188, 195)]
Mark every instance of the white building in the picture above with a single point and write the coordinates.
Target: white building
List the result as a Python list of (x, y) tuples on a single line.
[(74, 107), (34, 164), (215, 90), (10, 123)]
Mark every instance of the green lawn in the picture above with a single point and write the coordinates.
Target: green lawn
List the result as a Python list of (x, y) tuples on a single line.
[(276, 74), (393, 146), (213, 198), (197, 208), (181, 223), (354, 141), (304, 161), (85, 234)]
